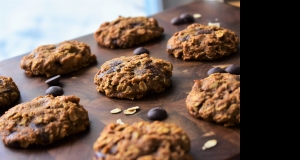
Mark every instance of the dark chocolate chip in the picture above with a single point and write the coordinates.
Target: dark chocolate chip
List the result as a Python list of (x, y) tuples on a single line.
[(36, 126), (132, 25), (203, 32), (115, 41), (155, 71), (233, 69), (6, 90), (215, 70), (44, 137), (53, 80), (169, 46), (140, 72), (115, 63), (140, 50), (55, 90), (12, 142), (185, 38), (187, 18), (110, 70), (57, 63), (177, 20), (99, 155), (157, 113)]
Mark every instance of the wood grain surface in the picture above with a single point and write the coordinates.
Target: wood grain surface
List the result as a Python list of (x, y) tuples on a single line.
[(81, 84)]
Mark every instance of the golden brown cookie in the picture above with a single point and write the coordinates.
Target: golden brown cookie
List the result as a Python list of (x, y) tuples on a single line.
[(42, 121), (9, 91), (216, 98), (126, 32), (142, 141), (52, 59), (201, 42), (133, 77)]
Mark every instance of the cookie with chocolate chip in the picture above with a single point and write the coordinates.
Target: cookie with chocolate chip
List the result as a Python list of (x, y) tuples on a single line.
[(216, 98), (142, 140), (9, 91), (125, 32), (42, 121), (57, 59), (201, 42), (133, 77)]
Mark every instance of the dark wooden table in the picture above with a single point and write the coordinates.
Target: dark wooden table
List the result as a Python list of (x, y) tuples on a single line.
[(81, 84)]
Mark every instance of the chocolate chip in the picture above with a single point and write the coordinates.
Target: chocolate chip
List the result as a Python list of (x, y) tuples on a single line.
[(55, 90), (44, 137), (215, 70), (185, 38), (177, 20), (233, 69), (140, 72), (53, 80), (203, 32), (140, 50), (57, 63), (110, 70), (155, 71), (157, 113), (132, 25), (169, 46), (187, 18), (11, 140), (115, 41), (115, 63), (99, 155)]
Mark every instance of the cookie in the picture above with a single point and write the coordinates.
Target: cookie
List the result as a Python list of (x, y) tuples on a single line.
[(216, 98), (142, 140), (125, 32), (51, 60), (9, 92), (201, 42), (42, 121), (133, 77)]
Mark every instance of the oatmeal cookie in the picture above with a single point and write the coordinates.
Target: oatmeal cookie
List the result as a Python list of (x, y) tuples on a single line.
[(126, 32), (63, 58), (9, 91), (133, 77), (216, 98), (42, 121), (201, 42), (142, 141)]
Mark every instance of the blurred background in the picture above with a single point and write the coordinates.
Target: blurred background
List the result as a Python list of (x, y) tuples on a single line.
[(27, 24)]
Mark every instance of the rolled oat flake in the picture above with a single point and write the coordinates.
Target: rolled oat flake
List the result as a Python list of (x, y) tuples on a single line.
[(119, 121), (209, 144), (116, 110), (197, 15)]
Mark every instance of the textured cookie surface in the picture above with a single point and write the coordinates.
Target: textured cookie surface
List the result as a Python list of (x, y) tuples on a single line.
[(142, 141), (63, 58), (216, 98), (42, 121), (9, 91), (133, 77), (126, 32), (201, 42)]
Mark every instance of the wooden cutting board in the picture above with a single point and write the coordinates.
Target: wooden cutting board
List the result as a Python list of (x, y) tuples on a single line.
[(81, 84)]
